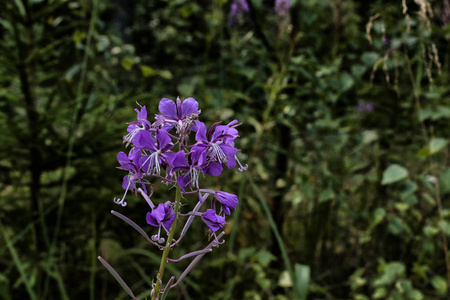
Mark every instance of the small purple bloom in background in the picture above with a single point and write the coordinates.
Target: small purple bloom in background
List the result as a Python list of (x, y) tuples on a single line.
[(162, 214), (213, 220), (365, 107), (237, 11), (386, 42), (446, 13), (282, 7)]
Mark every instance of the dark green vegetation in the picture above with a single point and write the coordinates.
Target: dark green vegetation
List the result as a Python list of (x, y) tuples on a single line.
[(360, 197)]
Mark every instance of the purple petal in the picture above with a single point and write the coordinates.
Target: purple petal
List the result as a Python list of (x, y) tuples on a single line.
[(142, 115), (170, 217), (125, 182), (151, 220), (168, 108), (163, 139), (201, 132), (212, 220), (183, 181), (144, 140), (227, 199), (198, 154), (189, 107), (228, 150), (179, 160), (220, 130), (122, 158), (214, 169), (231, 162), (134, 154)]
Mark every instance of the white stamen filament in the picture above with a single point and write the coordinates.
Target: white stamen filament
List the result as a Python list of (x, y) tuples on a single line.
[(129, 137), (217, 153), (122, 201), (156, 166), (241, 168), (194, 177)]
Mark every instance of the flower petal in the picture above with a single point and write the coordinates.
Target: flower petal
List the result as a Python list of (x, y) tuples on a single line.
[(163, 139), (214, 169), (168, 108), (212, 220), (189, 107), (179, 160), (126, 182), (142, 115), (151, 220), (227, 199), (144, 140), (200, 136), (122, 158)]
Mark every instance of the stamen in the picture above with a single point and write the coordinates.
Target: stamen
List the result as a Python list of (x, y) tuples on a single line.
[(122, 201), (241, 168), (129, 137), (218, 153)]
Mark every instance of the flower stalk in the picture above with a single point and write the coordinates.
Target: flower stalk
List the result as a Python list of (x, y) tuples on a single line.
[(167, 248)]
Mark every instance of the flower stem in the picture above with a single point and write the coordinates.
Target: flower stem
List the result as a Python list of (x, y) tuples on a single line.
[(162, 266)]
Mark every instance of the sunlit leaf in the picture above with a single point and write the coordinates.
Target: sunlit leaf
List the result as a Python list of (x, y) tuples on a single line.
[(393, 174), (440, 285)]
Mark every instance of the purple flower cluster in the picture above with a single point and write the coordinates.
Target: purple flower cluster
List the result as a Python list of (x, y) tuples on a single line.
[(364, 107), (238, 9), (282, 7), (152, 155)]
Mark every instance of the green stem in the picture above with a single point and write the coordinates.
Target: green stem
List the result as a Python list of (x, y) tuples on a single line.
[(162, 266)]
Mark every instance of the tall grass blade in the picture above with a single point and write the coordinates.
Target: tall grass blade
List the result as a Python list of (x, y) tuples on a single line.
[(273, 226), (18, 263)]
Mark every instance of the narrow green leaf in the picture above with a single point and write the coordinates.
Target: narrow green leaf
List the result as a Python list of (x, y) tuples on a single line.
[(20, 7), (269, 217), (18, 263), (302, 275)]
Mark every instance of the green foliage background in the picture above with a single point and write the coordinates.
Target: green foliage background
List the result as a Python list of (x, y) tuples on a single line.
[(351, 204)]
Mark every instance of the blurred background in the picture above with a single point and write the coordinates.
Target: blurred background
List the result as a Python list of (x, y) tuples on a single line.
[(344, 108)]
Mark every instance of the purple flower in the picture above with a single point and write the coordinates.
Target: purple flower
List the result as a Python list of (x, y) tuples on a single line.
[(365, 107), (131, 164), (228, 201), (179, 162), (213, 220), (158, 149), (237, 11), (141, 124), (162, 214), (281, 7), (216, 145), (180, 115)]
